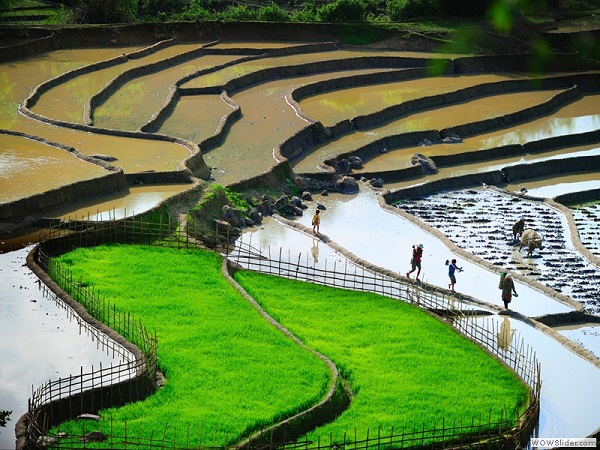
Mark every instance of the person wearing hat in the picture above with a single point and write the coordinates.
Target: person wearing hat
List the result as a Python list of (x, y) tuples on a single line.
[(508, 288), (415, 261)]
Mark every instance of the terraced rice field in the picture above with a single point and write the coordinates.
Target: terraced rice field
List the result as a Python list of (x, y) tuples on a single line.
[(178, 113)]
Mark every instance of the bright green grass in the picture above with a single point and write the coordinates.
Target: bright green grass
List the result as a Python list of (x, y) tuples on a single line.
[(228, 370), (406, 368)]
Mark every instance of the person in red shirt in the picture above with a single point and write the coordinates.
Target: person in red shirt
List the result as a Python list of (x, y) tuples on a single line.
[(415, 261)]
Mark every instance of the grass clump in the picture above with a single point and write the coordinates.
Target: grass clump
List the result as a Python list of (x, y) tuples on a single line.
[(228, 370), (216, 196), (406, 368)]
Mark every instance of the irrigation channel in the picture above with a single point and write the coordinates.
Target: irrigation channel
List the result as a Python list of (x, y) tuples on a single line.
[(115, 130)]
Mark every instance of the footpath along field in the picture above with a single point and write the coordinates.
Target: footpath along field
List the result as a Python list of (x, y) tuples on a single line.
[(230, 371)]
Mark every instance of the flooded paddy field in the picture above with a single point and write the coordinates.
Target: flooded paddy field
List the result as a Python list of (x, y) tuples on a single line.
[(480, 221), (238, 112)]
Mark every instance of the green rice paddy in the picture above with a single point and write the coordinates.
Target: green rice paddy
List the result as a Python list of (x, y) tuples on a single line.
[(230, 372)]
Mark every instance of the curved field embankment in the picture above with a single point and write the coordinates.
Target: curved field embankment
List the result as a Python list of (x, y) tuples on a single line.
[(334, 402), (293, 148), (281, 171), (298, 145), (241, 399)]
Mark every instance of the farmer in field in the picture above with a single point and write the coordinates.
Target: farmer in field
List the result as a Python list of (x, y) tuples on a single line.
[(316, 222), (452, 268), (507, 285), (518, 228), (415, 261)]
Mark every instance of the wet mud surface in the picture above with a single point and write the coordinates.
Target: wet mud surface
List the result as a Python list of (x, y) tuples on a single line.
[(587, 219), (480, 221)]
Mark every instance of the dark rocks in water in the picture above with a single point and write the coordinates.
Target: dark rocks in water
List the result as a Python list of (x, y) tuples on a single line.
[(233, 215), (288, 210), (426, 163), (296, 201), (255, 215), (306, 196), (355, 162), (453, 139), (376, 182), (346, 185), (281, 202), (343, 166), (224, 227)]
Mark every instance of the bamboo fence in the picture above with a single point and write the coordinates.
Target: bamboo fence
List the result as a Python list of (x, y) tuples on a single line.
[(481, 432)]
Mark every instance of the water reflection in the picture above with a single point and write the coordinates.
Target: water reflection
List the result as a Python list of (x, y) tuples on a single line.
[(564, 184), (567, 409), (355, 222), (137, 200), (350, 222), (437, 119), (505, 335), (549, 127), (40, 339), (314, 250)]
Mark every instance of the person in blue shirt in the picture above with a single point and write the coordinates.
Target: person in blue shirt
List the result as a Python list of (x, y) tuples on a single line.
[(452, 268)]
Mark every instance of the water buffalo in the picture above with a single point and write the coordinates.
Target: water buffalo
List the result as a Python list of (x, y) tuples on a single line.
[(532, 240)]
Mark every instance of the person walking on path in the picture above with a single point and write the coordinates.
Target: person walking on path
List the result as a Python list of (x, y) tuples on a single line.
[(452, 268), (415, 261), (316, 222), (508, 288)]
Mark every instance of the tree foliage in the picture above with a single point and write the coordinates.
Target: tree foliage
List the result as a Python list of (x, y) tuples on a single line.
[(343, 11), (500, 12), (4, 417), (105, 11), (272, 13), (5, 5)]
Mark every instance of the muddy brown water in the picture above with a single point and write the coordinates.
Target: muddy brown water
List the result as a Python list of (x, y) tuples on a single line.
[(134, 155), (26, 163), (581, 117), (267, 119), (135, 103), (66, 101), (333, 107)]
